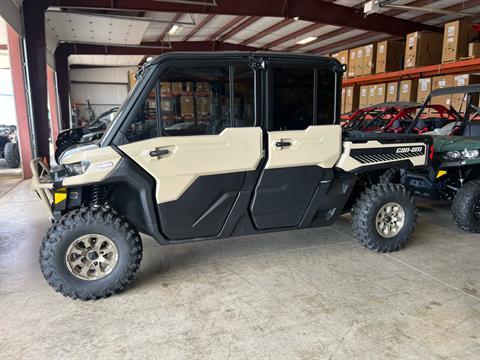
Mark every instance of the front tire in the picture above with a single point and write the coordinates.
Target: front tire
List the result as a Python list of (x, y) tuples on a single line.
[(12, 155), (466, 207), (90, 253), (384, 217)]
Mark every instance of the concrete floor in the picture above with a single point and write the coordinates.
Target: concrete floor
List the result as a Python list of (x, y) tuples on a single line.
[(311, 294)]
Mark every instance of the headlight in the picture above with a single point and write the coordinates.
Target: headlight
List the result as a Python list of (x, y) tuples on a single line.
[(462, 155), (470, 154), (454, 155), (77, 168)]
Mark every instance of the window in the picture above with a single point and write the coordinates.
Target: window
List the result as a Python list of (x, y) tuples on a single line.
[(244, 96), (292, 98), (144, 123), (194, 100), (325, 97)]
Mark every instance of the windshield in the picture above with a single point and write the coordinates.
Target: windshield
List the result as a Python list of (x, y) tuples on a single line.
[(140, 75)]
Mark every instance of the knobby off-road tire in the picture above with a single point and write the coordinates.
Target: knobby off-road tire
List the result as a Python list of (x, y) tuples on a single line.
[(466, 207), (104, 223), (390, 176), (371, 204), (12, 155)]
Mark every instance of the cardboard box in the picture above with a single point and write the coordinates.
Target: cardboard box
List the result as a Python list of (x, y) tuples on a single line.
[(352, 54), (369, 59), (439, 82), (392, 92), (423, 48), (342, 102), (351, 98), (363, 101), (408, 90), (342, 56), (177, 88), (456, 37), (380, 95), (359, 62), (474, 49), (372, 95), (424, 88), (389, 56), (186, 106), (459, 100)]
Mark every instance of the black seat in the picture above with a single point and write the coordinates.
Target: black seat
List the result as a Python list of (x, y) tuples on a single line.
[(472, 129)]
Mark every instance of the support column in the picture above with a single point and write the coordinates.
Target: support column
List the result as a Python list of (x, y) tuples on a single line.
[(63, 83), (34, 22), (19, 94), (52, 102)]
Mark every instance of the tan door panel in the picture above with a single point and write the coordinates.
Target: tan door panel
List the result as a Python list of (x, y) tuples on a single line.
[(317, 145), (233, 150)]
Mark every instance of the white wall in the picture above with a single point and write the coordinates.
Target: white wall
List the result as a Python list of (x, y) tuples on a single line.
[(105, 87)]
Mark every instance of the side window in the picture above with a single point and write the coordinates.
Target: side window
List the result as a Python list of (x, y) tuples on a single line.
[(325, 97), (292, 98), (144, 123), (194, 100), (244, 108)]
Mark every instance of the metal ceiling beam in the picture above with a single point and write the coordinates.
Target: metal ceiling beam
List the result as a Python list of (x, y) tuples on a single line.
[(293, 35), (239, 27), (457, 7), (338, 44), (198, 27), (267, 31), (169, 26), (225, 27), (150, 48), (309, 10)]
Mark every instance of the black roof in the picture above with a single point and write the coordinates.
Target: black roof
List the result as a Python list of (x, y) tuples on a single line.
[(456, 90)]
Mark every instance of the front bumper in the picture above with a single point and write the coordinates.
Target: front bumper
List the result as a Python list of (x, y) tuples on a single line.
[(42, 184)]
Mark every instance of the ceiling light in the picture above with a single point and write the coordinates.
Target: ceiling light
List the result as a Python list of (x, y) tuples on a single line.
[(296, 18), (307, 40), (175, 29), (150, 58)]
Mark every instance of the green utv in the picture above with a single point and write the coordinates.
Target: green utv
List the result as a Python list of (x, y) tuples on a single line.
[(455, 171), (215, 145)]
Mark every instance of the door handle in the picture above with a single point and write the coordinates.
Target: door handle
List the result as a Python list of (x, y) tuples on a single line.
[(158, 152), (282, 144)]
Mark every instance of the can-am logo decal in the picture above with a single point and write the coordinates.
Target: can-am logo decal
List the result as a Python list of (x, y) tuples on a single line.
[(410, 150), (386, 154)]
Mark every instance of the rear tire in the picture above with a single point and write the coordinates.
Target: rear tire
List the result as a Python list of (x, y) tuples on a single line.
[(390, 176), (466, 207), (12, 155), (58, 253), (390, 205)]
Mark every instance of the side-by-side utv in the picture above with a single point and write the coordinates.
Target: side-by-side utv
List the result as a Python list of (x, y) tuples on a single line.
[(214, 145), (455, 171)]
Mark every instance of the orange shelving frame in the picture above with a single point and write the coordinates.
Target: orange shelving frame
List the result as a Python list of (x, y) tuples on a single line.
[(457, 67)]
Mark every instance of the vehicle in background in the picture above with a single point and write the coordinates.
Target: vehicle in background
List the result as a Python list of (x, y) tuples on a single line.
[(83, 134), (9, 146), (455, 172)]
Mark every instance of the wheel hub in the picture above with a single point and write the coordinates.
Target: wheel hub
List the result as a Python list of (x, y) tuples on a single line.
[(91, 257), (390, 219)]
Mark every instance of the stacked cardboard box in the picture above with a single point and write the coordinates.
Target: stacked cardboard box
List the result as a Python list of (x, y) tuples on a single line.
[(423, 48), (439, 82), (392, 92), (372, 92), (458, 100), (369, 59), (424, 88), (359, 61), (351, 98), (474, 50), (389, 56), (456, 38), (363, 101), (380, 92), (352, 54), (408, 90)]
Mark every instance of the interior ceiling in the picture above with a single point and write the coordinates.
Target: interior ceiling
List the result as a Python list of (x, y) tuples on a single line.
[(240, 29)]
